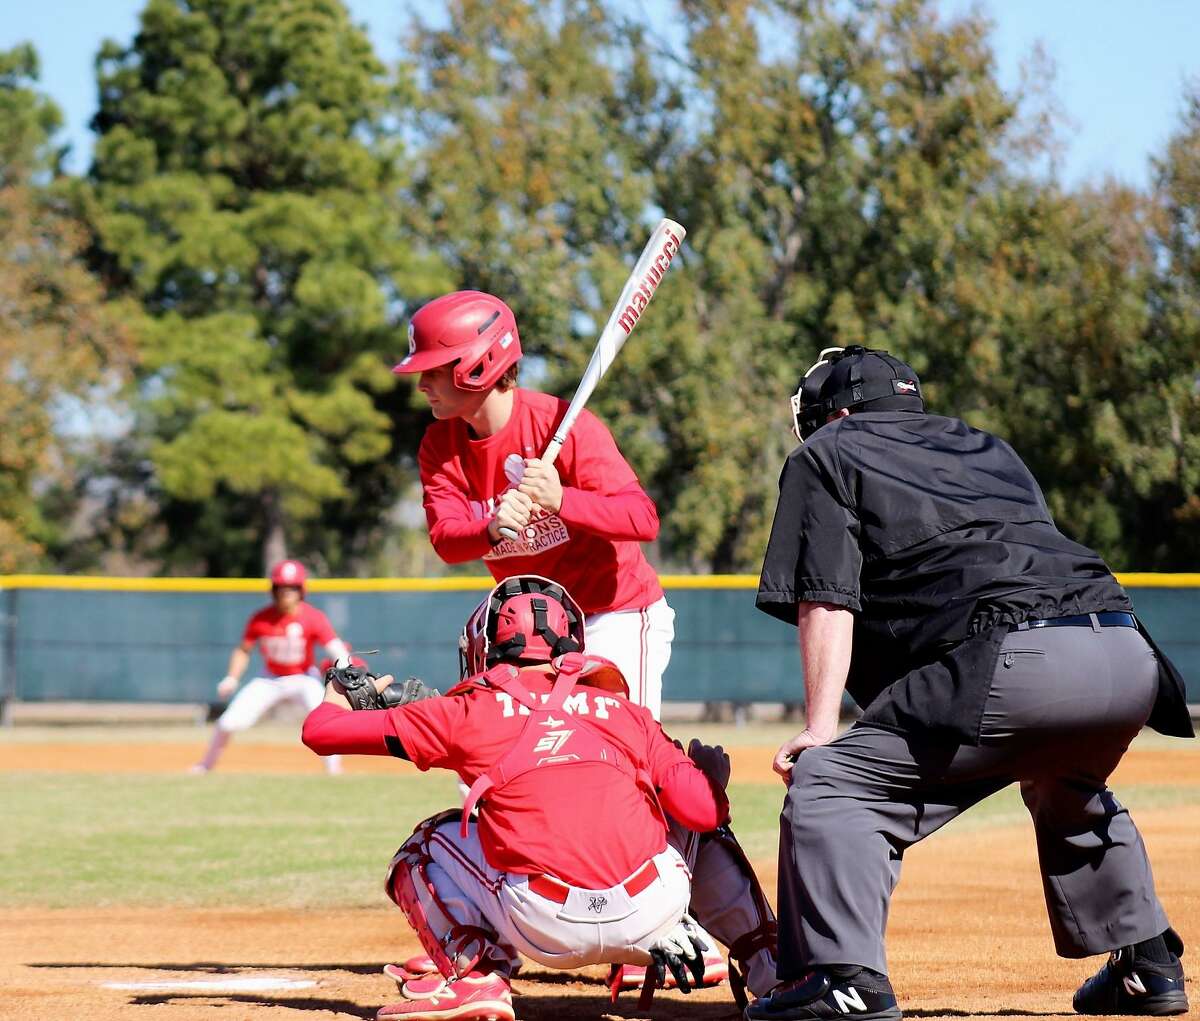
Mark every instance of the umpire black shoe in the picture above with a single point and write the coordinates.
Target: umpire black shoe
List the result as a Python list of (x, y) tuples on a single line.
[(1133, 982), (838, 993)]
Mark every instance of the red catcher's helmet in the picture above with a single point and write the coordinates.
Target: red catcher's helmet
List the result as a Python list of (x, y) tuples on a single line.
[(476, 331), (526, 617), (289, 573)]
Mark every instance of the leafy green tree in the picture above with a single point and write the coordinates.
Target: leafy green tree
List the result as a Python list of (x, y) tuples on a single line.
[(846, 172), (832, 172), (243, 189), (1167, 474), (60, 342)]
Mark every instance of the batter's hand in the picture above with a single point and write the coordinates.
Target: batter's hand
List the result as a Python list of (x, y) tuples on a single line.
[(513, 512), (711, 760), (542, 485), (790, 751), (227, 687)]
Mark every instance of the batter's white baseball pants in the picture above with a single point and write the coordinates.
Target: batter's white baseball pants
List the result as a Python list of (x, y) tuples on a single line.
[(639, 642)]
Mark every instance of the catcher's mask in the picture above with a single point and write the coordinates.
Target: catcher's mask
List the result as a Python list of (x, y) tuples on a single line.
[(526, 617), (857, 378)]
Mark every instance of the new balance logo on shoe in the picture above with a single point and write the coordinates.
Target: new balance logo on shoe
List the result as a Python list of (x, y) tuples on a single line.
[(851, 998), (1134, 985)]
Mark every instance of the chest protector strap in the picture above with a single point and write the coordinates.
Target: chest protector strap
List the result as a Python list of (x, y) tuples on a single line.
[(551, 736)]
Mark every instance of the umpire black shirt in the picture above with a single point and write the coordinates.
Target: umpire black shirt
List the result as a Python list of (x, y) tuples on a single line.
[(938, 538)]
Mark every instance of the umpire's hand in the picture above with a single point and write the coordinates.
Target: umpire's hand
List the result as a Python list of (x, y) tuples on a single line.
[(790, 750)]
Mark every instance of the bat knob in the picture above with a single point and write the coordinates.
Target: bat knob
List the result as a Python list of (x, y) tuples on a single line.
[(508, 533)]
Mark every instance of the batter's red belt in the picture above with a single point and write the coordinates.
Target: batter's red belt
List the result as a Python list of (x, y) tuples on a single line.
[(557, 891)]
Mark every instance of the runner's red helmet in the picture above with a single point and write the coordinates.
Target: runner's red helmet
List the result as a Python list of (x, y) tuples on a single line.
[(526, 617), (474, 330), (289, 573)]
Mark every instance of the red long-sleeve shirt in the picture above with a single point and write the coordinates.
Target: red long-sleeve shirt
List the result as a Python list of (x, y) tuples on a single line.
[(590, 546), (540, 822)]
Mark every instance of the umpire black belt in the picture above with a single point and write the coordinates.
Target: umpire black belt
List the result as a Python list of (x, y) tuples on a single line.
[(1092, 620)]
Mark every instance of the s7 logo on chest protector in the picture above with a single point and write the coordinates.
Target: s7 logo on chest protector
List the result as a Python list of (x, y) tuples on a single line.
[(552, 741)]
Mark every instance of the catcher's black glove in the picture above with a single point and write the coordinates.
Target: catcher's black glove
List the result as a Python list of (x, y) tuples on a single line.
[(359, 685)]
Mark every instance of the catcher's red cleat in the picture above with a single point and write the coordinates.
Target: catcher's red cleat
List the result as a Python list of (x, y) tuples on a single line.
[(414, 967), (474, 997), (716, 971)]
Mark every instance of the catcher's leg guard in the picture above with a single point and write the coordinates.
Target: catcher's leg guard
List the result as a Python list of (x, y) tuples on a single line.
[(729, 902), (455, 946)]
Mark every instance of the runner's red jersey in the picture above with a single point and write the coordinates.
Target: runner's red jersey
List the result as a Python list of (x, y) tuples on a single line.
[(586, 823), (591, 546), (286, 641)]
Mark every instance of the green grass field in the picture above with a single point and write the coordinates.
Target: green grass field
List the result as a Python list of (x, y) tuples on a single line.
[(282, 841)]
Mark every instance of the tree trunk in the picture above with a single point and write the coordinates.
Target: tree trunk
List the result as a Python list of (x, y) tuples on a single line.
[(274, 537)]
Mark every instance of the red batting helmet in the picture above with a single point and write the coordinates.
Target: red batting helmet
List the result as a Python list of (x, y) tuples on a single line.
[(526, 617), (476, 331), (289, 573)]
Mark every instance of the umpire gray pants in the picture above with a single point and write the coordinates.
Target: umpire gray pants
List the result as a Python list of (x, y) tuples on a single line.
[(1063, 707)]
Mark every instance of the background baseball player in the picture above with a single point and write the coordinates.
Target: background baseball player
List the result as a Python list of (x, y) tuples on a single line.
[(926, 576), (285, 633), (564, 879), (578, 521)]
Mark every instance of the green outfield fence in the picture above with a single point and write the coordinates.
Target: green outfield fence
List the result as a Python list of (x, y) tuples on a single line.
[(168, 639)]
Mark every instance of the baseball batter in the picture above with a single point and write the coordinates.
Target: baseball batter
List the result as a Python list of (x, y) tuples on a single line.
[(285, 633), (568, 860), (918, 559), (579, 520)]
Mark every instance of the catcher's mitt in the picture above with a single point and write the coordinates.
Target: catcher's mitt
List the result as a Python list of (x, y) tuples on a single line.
[(359, 685)]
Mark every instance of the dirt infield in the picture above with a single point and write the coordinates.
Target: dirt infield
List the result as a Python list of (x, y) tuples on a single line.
[(968, 936)]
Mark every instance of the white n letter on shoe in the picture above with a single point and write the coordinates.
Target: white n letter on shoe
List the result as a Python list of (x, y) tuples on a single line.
[(847, 1000), (1133, 984)]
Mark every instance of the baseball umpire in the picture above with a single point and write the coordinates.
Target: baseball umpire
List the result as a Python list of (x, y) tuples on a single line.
[(921, 566), (568, 861)]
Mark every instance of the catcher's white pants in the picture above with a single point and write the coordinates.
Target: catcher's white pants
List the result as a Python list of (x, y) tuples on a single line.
[(254, 700), (639, 642), (592, 927)]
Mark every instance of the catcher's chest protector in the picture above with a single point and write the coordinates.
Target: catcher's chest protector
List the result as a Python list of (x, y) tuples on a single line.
[(551, 736)]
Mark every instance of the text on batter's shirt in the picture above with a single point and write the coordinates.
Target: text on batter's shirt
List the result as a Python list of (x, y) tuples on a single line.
[(286, 641), (543, 532), (586, 823), (464, 477)]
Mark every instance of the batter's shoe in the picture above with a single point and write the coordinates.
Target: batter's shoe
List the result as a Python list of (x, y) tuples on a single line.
[(474, 997), (838, 993), (1133, 982)]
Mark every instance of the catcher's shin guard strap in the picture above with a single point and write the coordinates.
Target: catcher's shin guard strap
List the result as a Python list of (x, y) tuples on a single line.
[(454, 946)]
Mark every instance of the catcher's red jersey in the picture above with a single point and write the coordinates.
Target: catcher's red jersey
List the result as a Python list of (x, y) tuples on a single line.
[(286, 641), (586, 823), (590, 546)]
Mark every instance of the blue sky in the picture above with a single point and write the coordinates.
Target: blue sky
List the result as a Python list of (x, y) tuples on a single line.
[(1121, 64)]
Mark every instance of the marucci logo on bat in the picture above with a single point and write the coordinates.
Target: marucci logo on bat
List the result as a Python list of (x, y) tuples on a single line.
[(648, 284)]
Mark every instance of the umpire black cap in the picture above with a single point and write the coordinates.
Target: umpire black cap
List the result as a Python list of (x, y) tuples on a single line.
[(853, 377)]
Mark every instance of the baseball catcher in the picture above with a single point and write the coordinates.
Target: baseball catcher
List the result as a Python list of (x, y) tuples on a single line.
[(561, 851)]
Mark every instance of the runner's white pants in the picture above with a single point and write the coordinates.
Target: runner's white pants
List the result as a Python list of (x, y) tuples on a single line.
[(592, 927), (254, 700), (639, 642)]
